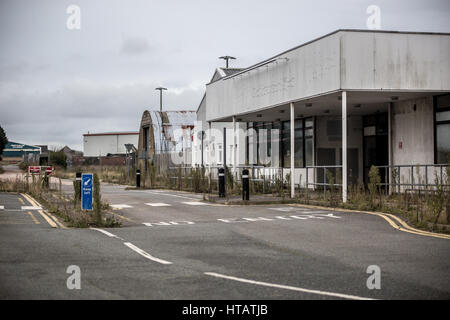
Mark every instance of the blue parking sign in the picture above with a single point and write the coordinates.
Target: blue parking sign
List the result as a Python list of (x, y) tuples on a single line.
[(86, 191)]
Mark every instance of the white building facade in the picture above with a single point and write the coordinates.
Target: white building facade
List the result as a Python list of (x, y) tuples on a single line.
[(102, 144), (350, 99)]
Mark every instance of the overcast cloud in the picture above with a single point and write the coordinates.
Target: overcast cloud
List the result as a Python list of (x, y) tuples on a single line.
[(56, 83)]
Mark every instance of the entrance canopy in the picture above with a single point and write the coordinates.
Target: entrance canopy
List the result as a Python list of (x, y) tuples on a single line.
[(358, 103)]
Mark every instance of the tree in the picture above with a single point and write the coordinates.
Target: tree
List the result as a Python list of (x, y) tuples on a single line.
[(58, 158), (3, 141)]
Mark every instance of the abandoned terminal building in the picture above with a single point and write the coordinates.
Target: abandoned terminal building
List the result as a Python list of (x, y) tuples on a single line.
[(349, 100)]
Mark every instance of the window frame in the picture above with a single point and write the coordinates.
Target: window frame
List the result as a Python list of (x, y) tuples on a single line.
[(436, 123)]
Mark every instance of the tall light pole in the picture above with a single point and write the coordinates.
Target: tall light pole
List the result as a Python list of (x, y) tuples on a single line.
[(160, 96), (226, 58)]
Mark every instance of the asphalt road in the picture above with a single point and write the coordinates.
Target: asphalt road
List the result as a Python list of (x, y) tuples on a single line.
[(174, 246)]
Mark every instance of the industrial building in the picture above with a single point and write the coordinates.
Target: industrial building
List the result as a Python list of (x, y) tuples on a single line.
[(15, 152), (349, 100), (108, 143), (165, 139)]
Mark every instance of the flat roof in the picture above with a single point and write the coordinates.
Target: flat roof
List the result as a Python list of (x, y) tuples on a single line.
[(324, 36), (111, 134)]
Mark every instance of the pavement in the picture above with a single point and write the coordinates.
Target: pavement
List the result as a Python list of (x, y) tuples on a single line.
[(173, 245)]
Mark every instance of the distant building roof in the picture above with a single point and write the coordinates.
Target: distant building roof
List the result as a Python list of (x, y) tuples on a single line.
[(173, 118), (111, 133), (231, 71), (44, 148), (15, 149)]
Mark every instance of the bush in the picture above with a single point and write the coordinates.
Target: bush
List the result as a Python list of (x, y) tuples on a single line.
[(58, 158), (23, 166), (374, 184)]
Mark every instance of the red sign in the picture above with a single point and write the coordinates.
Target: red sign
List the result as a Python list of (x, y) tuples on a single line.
[(34, 169), (49, 170)]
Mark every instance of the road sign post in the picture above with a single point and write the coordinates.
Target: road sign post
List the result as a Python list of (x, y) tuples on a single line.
[(86, 191)]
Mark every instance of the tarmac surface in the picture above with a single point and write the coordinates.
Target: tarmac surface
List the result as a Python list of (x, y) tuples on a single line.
[(173, 245)]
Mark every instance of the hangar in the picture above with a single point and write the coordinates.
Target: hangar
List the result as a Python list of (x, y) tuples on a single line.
[(165, 139), (347, 100)]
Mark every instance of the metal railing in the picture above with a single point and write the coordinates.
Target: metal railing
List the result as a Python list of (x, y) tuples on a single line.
[(267, 176), (394, 178), (323, 169), (418, 177)]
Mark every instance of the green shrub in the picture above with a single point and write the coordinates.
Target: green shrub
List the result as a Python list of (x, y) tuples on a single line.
[(374, 184)]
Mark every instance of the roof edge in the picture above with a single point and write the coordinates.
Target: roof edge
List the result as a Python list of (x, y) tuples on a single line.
[(330, 34)]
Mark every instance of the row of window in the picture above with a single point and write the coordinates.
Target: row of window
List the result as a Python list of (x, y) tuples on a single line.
[(303, 142)]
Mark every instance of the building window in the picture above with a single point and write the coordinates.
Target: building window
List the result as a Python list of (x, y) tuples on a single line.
[(442, 131), (303, 143), (308, 146), (303, 133)]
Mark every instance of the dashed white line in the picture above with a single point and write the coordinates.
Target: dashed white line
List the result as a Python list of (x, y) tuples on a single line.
[(109, 234), (145, 254), (120, 206), (31, 208), (172, 195), (169, 223), (195, 203), (158, 204), (280, 286), (2, 207)]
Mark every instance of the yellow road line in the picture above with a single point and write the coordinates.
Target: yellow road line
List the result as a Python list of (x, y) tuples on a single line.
[(406, 226), (33, 217), (49, 221), (57, 221), (122, 217), (386, 216), (48, 213), (21, 201)]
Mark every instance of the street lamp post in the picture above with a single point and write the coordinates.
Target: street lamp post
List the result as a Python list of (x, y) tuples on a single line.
[(227, 58), (160, 96)]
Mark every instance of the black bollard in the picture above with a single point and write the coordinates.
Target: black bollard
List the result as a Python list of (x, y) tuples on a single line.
[(245, 185), (222, 182), (78, 182), (138, 178)]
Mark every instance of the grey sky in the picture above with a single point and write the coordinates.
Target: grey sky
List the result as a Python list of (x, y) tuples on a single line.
[(56, 83)]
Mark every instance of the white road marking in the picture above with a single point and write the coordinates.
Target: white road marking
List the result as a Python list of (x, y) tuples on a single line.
[(145, 254), (195, 203), (299, 217), (283, 218), (162, 223), (307, 216), (170, 223), (330, 215), (172, 195), (158, 204), (280, 286), (31, 208), (257, 219), (231, 220), (274, 218), (107, 233), (287, 209), (2, 207), (120, 206)]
